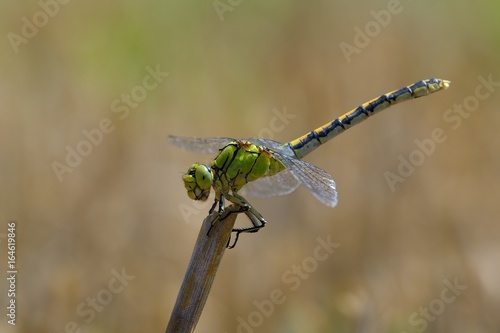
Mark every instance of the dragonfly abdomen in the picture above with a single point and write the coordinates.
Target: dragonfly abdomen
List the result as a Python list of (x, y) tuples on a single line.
[(312, 140)]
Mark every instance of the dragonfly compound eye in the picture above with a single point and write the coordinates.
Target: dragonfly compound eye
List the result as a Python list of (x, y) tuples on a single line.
[(198, 181)]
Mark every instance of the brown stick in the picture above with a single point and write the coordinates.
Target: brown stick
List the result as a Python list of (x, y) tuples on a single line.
[(200, 274)]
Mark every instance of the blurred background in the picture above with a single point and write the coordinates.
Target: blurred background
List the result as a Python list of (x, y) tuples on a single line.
[(90, 91)]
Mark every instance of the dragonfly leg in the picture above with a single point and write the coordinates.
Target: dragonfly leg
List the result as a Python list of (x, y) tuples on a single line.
[(253, 214), (223, 213), (255, 217), (220, 211), (221, 205), (244, 206), (213, 207), (257, 225)]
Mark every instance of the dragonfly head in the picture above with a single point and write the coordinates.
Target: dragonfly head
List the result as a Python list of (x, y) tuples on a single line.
[(198, 181)]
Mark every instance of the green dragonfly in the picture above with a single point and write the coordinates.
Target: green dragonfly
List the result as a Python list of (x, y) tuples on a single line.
[(267, 168)]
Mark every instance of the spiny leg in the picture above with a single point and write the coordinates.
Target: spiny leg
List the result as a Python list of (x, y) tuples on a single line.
[(213, 207), (258, 224), (221, 205), (233, 209), (220, 212), (224, 213), (255, 217), (243, 206)]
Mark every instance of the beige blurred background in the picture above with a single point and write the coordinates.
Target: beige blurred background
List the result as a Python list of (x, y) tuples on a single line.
[(231, 70)]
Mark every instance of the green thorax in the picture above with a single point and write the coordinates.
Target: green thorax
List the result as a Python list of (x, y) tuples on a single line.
[(241, 162)]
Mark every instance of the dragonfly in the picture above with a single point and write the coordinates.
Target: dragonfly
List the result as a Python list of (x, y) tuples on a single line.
[(264, 168)]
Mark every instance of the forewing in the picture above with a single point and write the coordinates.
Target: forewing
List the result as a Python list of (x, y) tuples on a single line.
[(200, 145), (281, 183), (319, 182), (275, 146)]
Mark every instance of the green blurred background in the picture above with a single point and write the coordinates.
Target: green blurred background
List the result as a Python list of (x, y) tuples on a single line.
[(124, 206)]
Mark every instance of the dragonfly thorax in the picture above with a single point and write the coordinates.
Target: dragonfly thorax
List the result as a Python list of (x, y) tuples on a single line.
[(241, 162)]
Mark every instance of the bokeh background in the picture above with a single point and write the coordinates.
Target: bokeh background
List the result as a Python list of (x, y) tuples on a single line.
[(231, 70)]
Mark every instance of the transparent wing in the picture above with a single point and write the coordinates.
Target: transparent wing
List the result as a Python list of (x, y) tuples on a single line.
[(281, 183), (200, 145), (282, 148), (319, 182)]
